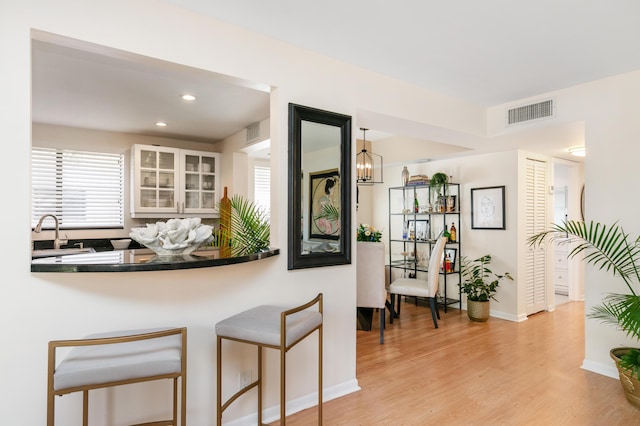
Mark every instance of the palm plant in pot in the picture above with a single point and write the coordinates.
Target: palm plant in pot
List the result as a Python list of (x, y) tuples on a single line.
[(480, 284), (249, 231), (610, 248)]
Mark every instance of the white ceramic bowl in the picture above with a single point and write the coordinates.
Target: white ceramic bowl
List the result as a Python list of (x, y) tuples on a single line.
[(121, 244)]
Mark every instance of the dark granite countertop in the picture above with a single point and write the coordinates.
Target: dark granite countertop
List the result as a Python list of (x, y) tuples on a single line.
[(133, 260)]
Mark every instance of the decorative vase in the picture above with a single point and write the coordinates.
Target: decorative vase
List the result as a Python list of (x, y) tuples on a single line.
[(629, 383), (405, 176), (478, 311), (225, 225)]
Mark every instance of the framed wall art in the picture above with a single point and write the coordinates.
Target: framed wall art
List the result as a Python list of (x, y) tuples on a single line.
[(325, 206), (487, 208)]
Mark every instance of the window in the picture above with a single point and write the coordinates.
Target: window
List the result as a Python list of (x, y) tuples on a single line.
[(262, 187), (83, 189)]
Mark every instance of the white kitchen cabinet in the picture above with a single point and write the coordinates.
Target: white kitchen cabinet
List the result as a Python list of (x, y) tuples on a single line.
[(171, 182)]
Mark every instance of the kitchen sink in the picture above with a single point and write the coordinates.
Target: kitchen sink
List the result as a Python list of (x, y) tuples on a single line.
[(60, 252)]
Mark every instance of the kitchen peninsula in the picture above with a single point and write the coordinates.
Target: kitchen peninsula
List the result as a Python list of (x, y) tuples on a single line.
[(140, 260)]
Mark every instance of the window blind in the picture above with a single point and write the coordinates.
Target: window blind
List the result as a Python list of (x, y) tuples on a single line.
[(83, 189), (262, 187)]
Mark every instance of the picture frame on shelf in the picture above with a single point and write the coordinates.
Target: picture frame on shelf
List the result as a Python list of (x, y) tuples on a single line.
[(449, 203), (448, 262), (418, 229), (487, 208)]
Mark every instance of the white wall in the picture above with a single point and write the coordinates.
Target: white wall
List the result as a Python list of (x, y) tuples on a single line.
[(235, 160), (41, 307), (611, 173)]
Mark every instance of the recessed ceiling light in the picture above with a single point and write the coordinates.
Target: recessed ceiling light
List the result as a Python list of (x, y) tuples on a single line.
[(578, 151), (161, 124), (188, 97)]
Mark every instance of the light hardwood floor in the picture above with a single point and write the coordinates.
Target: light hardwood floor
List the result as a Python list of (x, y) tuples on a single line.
[(465, 373)]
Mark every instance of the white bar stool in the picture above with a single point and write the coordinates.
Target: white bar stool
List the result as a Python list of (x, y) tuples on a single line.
[(270, 327), (119, 358)]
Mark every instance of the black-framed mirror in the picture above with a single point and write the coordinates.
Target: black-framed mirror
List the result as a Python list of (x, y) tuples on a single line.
[(319, 216)]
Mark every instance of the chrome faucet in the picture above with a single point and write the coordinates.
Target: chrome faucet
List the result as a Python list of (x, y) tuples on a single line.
[(57, 242)]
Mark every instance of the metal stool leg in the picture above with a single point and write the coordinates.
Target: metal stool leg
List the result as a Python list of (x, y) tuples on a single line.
[(219, 382), (320, 375), (85, 408), (260, 385), (283, 384)]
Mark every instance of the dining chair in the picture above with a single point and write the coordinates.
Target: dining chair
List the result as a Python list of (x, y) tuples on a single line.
[(119, 358), (419, 287), (370, 279)]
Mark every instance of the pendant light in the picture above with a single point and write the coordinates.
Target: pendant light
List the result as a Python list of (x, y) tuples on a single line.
[(368, 164)]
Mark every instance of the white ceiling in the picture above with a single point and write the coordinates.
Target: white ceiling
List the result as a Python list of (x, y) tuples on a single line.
[(488, 52), (97, 88), (485, 52)]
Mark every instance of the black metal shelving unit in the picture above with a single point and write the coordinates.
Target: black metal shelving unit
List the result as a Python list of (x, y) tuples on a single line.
[(412, 235)]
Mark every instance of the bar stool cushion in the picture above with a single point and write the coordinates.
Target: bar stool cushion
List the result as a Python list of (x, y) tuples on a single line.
[(262, 325), (91, 365)]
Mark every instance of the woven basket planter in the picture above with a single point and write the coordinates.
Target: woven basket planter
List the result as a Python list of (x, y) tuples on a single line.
[(629, 383), (478, 311)]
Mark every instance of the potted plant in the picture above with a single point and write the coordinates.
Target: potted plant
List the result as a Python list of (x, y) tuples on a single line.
[(439, 182), (480, 285), (249, 229), (609, 248), (368, 233)]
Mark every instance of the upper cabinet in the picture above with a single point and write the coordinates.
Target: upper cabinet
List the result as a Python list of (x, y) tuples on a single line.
[(171, 182)]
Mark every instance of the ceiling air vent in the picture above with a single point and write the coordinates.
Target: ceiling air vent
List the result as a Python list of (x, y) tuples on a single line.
[(253, 133), (530, 112)]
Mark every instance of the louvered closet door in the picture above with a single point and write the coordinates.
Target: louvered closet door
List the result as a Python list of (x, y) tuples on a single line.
[(536, 220)]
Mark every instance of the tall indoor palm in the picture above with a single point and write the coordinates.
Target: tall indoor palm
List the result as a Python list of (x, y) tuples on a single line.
[(608, 248)]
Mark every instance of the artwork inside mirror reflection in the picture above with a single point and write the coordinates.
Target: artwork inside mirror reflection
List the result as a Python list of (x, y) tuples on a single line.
[(324, 193)]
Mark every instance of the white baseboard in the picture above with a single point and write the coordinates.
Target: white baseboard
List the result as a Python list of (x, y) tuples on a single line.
[(508, 317), (502, 315), (272, 414), (600, 368)]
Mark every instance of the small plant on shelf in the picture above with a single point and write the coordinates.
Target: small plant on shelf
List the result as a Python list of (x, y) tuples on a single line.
[(438, 182)]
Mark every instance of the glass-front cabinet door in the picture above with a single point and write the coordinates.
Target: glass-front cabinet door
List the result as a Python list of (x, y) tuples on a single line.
[(156, 179), (171, 182), (200, 181)]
